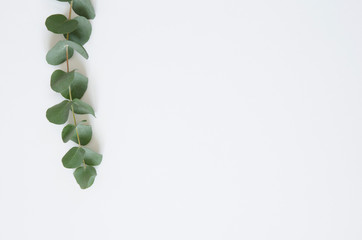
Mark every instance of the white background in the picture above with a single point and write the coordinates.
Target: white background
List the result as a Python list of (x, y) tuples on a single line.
[(217, 119)]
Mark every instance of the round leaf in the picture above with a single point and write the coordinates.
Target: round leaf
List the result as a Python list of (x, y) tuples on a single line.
[(60, 80), (84, 8), (59, 23), (57, 54), (77, 47), (81, 107), (73, 158), (82, 34), (85, 176), (78, 86), (68, 132), (58, 114), (85, 134), (92, 158)]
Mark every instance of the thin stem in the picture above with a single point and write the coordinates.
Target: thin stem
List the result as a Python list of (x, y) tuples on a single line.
[(67, 56), (70, 90), (70, 15), (75, 121), (70, 10)]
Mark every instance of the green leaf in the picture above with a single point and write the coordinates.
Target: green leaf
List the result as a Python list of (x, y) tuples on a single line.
[(58, 114), (78, 86), (92, 158), (83, 32), (81, 107), (85, 134), (60, 80), (77, 47), (85, 176), (57, 54), (73, 158), (68, 132), (59, 23), (84, 8)]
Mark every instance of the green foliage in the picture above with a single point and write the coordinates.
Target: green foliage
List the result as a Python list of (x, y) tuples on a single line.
[(74, 157), (81, 107), (68, 132), (78, 86), (58, 114), (71, 132), (57, 55), (60, 80), (82, 8), (59, 23), (85, 176), (79, 48), (72, 86), (84, 133), (92, 158), (82, 34)]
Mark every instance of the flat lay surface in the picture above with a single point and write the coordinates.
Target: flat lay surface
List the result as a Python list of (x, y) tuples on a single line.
[(218, 120)]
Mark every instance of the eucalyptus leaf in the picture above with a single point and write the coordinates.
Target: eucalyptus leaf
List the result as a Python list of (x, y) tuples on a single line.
[(85, 176), (77, 47), (78, 87), (60, 80), (73, 158), (82, 34), (92, 158), (57, 54), (84, 8), (68, 132), (58, 114), (59, 23), (81, 107), (84, 132)]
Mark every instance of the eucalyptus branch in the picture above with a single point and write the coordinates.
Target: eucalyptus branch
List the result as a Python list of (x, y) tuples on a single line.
[(72, 86)]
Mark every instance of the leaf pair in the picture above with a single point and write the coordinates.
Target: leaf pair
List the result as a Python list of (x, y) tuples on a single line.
[(58, 54), (71, 132), (79, 28), (86, 174), (76, 155), (58, 114), (60, 82)]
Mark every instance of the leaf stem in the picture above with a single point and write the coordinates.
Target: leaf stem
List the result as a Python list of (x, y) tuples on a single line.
[(70, 15), (70, 90)]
